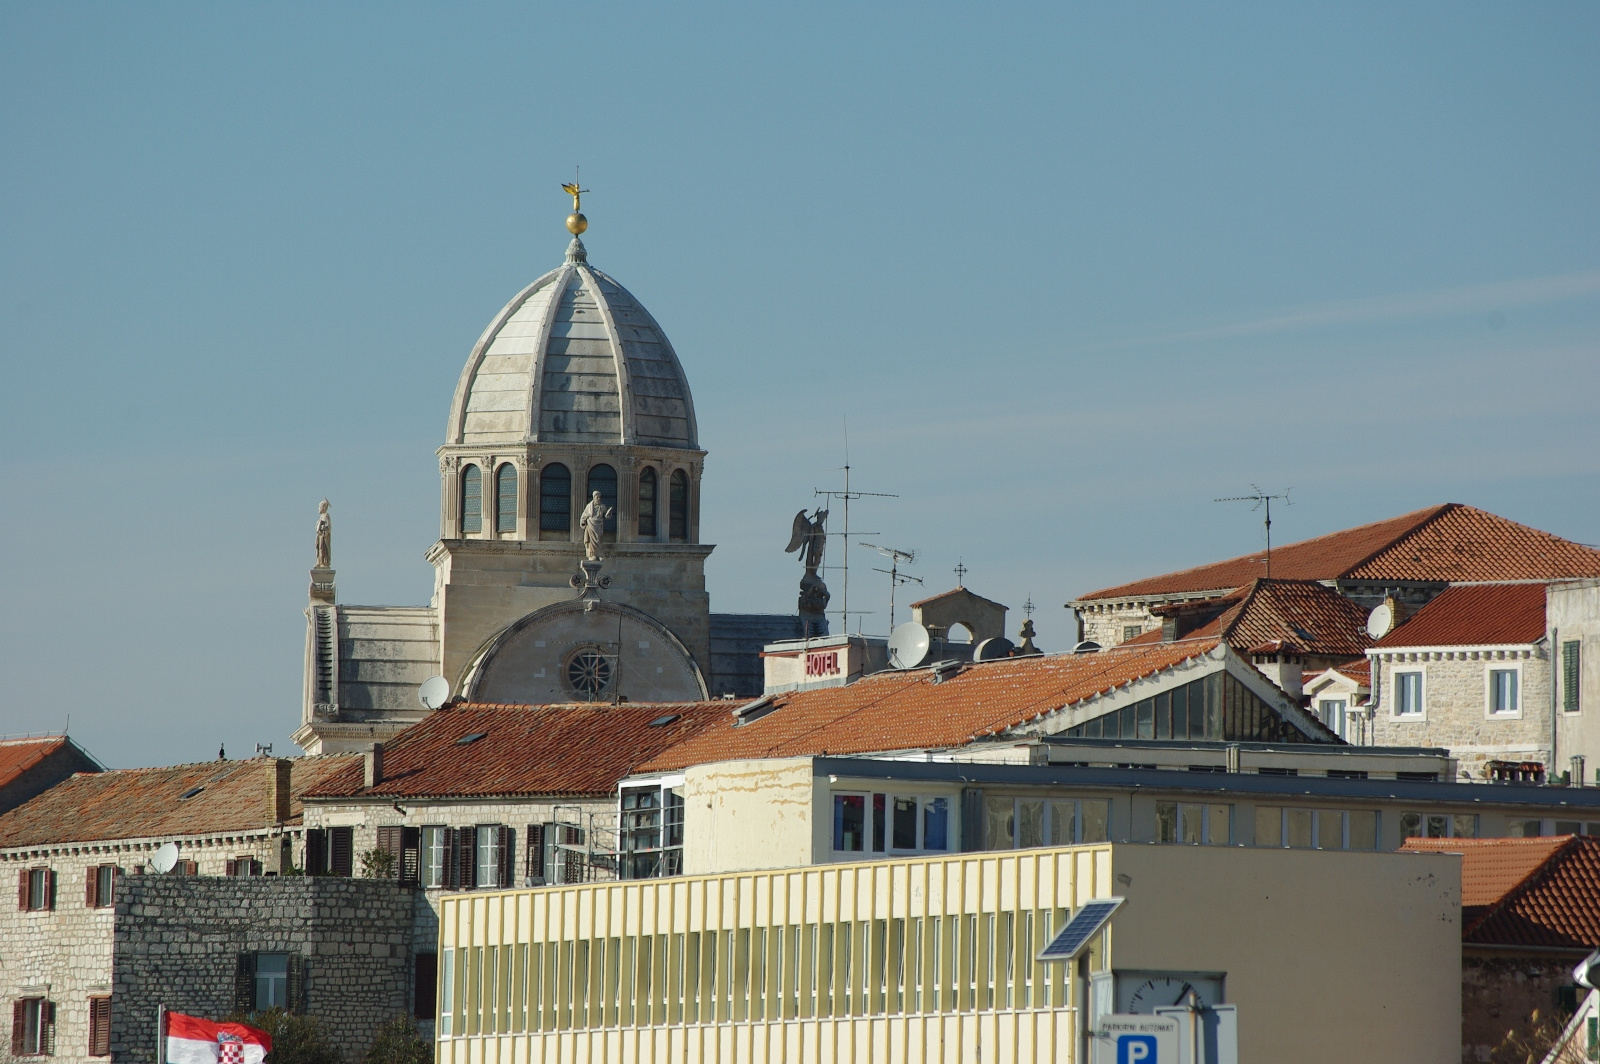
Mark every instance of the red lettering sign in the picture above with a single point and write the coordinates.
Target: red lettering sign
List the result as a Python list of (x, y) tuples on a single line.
[(822, 663)]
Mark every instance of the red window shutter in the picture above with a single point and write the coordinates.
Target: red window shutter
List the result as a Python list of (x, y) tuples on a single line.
[(508, 856), (535, 844), (19, 1024), (100, 1027), (91, 887), (24, 877), (50, 889), (452, 858), (231, 868)]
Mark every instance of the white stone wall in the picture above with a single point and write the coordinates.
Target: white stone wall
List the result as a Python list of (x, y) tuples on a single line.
[(1456, 705), (1573, 614)]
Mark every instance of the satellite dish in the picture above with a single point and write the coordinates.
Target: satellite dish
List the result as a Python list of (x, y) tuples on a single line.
[(1380, 622), (908, 645), (993, 649), (166, 858), (434, 692)]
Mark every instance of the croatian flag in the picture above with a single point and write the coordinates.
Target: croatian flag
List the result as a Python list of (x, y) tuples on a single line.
[(191, 1040)]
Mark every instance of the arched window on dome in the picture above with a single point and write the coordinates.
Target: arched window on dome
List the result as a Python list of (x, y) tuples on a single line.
[(471, 499), (603, 478), (505, 498), (678, 508), (555, 498), (647, 503)]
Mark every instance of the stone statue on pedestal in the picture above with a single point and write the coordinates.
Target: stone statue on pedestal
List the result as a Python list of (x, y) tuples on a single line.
[(809, 537), (593, 523), (324, 537)]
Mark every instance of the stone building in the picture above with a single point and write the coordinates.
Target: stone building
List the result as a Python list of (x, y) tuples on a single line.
[(1409, 559), (34, 764), (68, 847), (572, 390)]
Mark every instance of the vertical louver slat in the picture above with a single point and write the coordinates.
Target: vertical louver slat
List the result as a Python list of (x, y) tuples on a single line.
[(471, 499)]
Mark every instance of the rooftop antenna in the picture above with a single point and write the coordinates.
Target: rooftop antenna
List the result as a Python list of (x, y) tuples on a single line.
[(896, 577), (961, 574), (1261, 499), (1028, 607), (846, 496)]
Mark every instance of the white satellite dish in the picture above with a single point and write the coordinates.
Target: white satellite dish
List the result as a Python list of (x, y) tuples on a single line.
[(434, 692), (993, 649), (908, 645), (1380, 622), (165, 859)]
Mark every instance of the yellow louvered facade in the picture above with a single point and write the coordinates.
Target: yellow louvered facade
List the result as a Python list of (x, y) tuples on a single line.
[(930, 959)]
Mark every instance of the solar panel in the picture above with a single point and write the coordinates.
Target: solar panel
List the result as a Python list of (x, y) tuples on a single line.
[(1083, 926)]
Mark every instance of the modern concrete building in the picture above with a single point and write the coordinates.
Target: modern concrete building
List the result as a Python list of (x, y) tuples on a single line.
[(1326, 956)]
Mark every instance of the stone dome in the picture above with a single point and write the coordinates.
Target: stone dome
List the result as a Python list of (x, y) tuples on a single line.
[(573, 358)]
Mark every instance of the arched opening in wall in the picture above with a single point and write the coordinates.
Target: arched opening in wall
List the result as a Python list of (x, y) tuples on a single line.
[(505, 498), (647, 503), (678, 508), (471, 499), (603, 478), (959, 633), (555, 501)]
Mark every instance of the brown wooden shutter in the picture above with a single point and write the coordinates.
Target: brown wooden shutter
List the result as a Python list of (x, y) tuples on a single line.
[(24, 881), (467, 855), (19, 1026), (100, 1027), (508, 856), (316, 852), (231, 868), (452, 859), (410, 855), (47, 1028), (50, 889), (534, 868), (297, 983), (191, 868), (389, 841), (91, 890), (244, 984), (341, 851)]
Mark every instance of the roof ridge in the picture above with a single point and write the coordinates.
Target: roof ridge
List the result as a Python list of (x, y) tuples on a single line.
[(1438, 511), (1520, 889)]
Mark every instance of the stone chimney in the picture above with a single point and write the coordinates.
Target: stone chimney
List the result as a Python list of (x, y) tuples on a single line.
[(372, 766), (278, 788)]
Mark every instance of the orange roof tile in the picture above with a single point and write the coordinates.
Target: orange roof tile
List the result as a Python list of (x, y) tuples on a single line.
[(1451, 542), (149, 803), (1527, 892), (1291, 616), (19, 755), (910, 711), (558, 750), (1475, 615)]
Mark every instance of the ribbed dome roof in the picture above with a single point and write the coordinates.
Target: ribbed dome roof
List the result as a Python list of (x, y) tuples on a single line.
[(573, 358)]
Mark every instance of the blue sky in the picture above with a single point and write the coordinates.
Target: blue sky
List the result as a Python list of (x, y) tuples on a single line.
[(1069, 272)]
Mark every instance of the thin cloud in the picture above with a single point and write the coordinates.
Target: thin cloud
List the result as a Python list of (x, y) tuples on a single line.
[(1500, 295)]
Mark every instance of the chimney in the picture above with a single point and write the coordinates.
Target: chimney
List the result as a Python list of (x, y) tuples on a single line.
[(278, 789), (372, 764)]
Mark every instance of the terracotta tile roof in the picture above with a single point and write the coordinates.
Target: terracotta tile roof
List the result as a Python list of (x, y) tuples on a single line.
[(954, 591), (1359, 671), (1291, 616), (909, 711), (147, 802), (1442, 543), (1474, 615), (19, 755), (1527, 892), (559, 750)]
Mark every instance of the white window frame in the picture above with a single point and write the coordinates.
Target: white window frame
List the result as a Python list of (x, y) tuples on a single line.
[(1422, 691), (1208, 826), (922, 803), (1490, 668), (1450, 822), (434, 832), (1342, 724)]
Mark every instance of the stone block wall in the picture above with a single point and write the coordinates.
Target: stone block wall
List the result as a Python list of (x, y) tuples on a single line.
[(178, 939), (1499, 994)]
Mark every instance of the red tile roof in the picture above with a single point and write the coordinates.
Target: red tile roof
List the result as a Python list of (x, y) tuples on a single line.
[(19, 755), (557, 751), (1527, 892), (910, 711), (148, 802), (1474, 615), (1442, 543), (1291, 616)]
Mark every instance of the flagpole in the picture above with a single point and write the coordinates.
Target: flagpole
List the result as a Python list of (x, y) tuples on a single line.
[(161, 1023)]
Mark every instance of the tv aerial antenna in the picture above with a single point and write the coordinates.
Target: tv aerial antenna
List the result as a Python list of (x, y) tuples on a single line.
[(846, 496), (896, 577), (1261, 499)]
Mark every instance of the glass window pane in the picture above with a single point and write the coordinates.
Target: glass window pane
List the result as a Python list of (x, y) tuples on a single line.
[(1524, 829), (1030, 823), (1363, 829), (433, 856), (1219, 820), (1330, 829), (1464, 826), (1269, 825), (1568, 827), (1166, 822), (999, 823), (905, 824), (849, 822), (880, 816), (1146, 713), (272, 980), (488, 856), (471, 499), (1438, 826), (1503, 691), (1408, 692), (603, 478), (505, 507), (555, 498), (1061, 828), (1411, 825), (1190, 823), (936, 824), (1297, 828), (1096, 821)]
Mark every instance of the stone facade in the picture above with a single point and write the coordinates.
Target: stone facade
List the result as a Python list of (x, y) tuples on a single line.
[(1456, 705), (1500, 993), (178, 941), (1573, 614)]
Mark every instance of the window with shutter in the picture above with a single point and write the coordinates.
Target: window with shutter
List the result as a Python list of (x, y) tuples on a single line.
[(410, 855), (555, 498), (535, 865), (425, 985), (91, 887), (467, 858), (508, 857), (505, 503), (450, 878), (471, 499), (19, 1024), (341, 851), (297, 983), (24, 891), (1570, 676), (244, 984), (316, 852), (99, 1027), (189, 868), (231, 868)]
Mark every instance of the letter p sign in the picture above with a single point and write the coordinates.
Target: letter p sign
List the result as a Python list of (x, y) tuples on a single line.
[(1136, 1049)]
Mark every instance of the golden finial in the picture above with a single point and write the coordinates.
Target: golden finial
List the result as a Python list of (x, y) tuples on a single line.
[(576, 222)]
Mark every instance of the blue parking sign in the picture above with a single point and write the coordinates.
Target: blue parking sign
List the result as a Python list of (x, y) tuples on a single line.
[(1137, 1049), (1135, 1040)]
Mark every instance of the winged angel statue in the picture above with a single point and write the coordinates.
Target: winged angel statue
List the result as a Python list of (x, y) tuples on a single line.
[(809, 537)]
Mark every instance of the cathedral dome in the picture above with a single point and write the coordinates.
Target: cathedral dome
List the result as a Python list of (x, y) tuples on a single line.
[(573, 358)]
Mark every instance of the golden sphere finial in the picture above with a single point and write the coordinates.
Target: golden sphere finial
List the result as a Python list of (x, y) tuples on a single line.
[(576, 223)]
